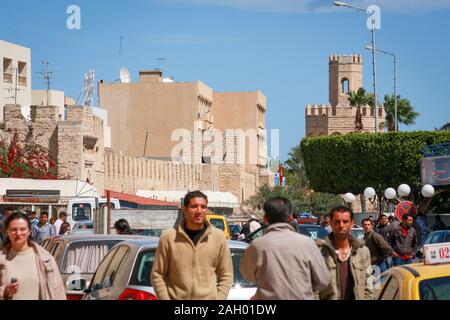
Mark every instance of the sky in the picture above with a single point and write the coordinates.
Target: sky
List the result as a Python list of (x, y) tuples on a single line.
[(280, 47)]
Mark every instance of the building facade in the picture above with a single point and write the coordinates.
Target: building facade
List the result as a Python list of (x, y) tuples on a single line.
[(15, 79), (338, 117)]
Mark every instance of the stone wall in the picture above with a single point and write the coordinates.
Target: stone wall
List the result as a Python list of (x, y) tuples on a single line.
[(129, 174)]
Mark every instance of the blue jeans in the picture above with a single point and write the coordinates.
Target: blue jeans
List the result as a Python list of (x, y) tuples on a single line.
[(398, 262), (383, 266)]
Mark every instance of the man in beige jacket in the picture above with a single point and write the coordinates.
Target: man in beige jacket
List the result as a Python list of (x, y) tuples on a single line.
[(284, 264), (193, 261)]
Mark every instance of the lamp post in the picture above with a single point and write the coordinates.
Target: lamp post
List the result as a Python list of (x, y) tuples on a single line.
[(395, 81), (372, 15), (389, 194)]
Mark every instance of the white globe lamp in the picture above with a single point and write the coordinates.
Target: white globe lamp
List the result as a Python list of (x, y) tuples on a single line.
[(428, 191), (390, 193), (369, 193), (349, 197), (404, 190)]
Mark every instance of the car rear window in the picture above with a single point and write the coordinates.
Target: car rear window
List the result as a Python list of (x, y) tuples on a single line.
[(144, 263), (218, 223), (435, 289), (85, 256), (143, 268)]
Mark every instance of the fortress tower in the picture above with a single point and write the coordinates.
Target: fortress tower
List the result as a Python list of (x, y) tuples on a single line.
[(338, 117)]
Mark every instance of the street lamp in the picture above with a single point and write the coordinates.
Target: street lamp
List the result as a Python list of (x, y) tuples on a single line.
[(389, 194), (372, 15), (368, 47)]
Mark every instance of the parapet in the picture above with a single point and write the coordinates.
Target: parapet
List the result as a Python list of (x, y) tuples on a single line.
[(317, 110), (345, 59)]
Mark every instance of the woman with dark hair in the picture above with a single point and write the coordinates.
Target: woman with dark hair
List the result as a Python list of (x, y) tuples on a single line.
[(65, 228), (27, 271), (122, 227)]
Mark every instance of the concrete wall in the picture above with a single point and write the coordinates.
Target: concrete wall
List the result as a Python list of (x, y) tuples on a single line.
[(158, 108), (55, 98), (146, 219), (8, 77)]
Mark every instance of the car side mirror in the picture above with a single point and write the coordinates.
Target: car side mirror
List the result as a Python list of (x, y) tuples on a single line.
[(241, 237), (77, 285)]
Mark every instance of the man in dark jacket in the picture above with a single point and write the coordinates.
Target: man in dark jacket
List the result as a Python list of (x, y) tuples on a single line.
[(378, 247), (382, 227), (403, 240)]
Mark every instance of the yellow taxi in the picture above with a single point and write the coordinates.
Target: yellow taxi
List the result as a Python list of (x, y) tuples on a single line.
[(429, 280), (219, 221)]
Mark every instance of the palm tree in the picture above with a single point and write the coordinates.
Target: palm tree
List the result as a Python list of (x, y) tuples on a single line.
[(405, 112), (445, 127), (359, 99)]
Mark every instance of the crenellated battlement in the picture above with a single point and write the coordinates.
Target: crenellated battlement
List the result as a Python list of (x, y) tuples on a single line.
[(317, 110), (345, 59)]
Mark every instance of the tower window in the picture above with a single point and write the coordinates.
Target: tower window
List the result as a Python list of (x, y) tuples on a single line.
[(345, 86)]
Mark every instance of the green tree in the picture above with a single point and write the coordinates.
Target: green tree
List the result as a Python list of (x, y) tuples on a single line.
[(295, 169), (358, 100), (405, 112), (352, 162)]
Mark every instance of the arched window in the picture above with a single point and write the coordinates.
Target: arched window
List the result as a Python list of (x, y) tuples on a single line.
[(345, 86)]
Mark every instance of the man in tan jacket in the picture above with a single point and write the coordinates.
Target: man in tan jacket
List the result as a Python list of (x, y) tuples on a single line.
[(348, 260), (193, 261), (284, 264)]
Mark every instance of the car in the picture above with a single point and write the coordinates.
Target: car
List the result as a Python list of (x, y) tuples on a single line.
[(310, 230), (78, 256), (83, 227), (125, 273), (433, 238), (358, 233), (416, 281), (219, 221), (313, 231), (235, 230)]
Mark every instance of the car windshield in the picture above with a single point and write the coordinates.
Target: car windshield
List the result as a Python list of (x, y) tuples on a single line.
[(85, 256), (144, 263), (435, 289), (218, 223), (313, 232), (84, 225)]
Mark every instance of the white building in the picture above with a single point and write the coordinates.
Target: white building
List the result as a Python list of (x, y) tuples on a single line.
[(16, 75)]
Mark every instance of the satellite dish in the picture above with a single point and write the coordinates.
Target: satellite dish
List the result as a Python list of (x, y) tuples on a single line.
[(125, 75)]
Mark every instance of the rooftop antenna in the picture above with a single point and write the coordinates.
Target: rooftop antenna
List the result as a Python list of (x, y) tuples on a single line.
[(46, 75), (120, 46), (86, 98)]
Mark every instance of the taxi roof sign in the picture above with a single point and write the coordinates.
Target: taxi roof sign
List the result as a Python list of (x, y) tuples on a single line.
[(437, 253)]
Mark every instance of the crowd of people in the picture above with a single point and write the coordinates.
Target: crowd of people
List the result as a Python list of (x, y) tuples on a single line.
[(193, 260)]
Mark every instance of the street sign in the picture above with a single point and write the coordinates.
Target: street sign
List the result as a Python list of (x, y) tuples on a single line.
[(437, 253), (405, 207)]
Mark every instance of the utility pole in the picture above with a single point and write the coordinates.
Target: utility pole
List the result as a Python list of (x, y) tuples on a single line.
[(145, 145)]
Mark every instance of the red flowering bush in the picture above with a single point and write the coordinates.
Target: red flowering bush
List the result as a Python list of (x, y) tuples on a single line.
[(25, 159)]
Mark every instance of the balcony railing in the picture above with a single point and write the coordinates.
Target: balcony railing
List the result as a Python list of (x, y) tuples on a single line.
[(7, 77)]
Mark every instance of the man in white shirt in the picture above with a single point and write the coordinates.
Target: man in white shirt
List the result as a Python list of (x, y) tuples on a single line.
[(60, 221)]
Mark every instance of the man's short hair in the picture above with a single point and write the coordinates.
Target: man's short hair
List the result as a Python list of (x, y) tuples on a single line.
[(406, 216), (341, 209), (366, 219), (193, 194), (44, 213), (62, 214), (277, 210)]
